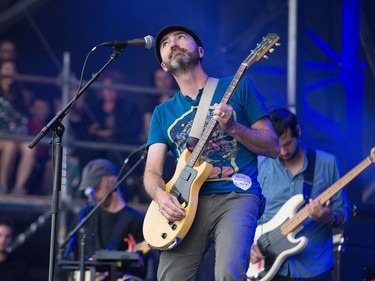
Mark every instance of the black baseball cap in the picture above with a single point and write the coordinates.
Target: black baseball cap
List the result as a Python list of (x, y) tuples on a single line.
[(171, 28), (94, 171)]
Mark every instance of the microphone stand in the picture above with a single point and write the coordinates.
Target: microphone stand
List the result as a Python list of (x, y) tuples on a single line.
[(58, 128), (83, 222)]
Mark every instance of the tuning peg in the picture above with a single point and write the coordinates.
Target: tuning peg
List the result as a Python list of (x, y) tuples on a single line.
[(277, 44), (265, 57), (271, 50)]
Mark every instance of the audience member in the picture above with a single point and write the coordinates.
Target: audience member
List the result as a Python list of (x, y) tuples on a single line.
[(7, 50), (40, 114), (15, 101), (12, 268), (78, 118), (115, 120), (78, 115), (164, 82)]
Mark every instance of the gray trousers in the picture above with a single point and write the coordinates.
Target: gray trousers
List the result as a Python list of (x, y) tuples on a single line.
[(228, 220)]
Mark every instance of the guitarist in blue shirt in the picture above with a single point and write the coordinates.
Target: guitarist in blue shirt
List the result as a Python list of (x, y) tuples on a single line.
[(229, 199), (283, 178)]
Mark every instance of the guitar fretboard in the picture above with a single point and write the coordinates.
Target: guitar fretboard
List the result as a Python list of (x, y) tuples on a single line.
[(210, 127), (252, 58), (296, 221)]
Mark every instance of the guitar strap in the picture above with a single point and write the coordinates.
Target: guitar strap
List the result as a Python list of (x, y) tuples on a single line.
[(308, 175), (200, 115), (198, 124)]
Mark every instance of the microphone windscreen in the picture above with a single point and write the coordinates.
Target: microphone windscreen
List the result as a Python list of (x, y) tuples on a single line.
[(149, 42)]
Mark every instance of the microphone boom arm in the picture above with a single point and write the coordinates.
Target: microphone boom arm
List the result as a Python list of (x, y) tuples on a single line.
[(62, 113), (58, 128)]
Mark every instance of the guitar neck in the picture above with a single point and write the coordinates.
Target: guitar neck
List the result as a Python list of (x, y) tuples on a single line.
[(255, 55), (297, 220), (210, 127)]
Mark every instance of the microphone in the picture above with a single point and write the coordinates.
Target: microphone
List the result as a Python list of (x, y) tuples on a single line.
[(90, 194), (148, 42)]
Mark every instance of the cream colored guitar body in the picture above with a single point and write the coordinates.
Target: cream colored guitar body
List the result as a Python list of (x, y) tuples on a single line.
[(157, 231)]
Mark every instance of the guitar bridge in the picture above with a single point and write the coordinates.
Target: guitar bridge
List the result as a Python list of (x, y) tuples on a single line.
[(179, 196)]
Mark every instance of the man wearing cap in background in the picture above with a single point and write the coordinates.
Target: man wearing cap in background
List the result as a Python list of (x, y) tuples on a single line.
[(229, 199), (114, 226)]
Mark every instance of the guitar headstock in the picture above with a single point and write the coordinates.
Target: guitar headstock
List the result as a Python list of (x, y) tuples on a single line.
[(262, 48), (372, 155)]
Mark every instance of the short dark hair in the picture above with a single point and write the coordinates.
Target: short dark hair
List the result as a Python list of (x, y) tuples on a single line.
[(282, 119)]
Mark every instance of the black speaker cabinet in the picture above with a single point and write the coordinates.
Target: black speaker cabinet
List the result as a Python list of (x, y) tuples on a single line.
[(355, 254), (354, 263)]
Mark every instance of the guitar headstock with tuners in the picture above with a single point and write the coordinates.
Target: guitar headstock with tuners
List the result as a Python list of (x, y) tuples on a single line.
[(262, 48), (255, 55)]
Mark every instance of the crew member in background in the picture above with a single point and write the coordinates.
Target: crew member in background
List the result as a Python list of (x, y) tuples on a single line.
[(115, 226)]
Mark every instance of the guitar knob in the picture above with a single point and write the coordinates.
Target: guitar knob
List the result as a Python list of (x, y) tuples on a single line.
[(163, 235), (173, 226)]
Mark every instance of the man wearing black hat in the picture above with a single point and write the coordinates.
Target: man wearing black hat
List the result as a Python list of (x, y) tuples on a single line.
[(229, 199), (115, 226)]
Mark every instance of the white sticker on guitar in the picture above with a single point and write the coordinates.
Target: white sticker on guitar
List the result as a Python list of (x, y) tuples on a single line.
[(242, 181)]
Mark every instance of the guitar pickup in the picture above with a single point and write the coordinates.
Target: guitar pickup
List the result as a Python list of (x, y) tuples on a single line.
[(182, 187), (185, 175)]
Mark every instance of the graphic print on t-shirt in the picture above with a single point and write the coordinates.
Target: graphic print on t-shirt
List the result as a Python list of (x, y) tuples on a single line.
[(220, 151)]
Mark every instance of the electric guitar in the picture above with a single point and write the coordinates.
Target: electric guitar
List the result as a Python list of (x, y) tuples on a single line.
[(190, 173), (276, 238)]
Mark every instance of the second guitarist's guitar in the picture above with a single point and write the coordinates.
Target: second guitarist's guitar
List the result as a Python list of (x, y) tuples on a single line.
[(276, 238), (190, 174)]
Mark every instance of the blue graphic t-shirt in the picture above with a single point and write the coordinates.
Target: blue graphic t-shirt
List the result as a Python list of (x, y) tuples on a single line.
[(234, 166)]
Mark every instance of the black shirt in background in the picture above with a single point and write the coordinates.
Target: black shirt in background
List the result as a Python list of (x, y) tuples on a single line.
[(14, 269)]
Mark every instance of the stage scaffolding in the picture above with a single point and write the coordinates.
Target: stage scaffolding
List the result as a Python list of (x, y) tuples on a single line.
[(40, 204)]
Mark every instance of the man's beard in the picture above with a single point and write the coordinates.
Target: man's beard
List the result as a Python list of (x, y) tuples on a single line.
[(293, 155), (183, 62)]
